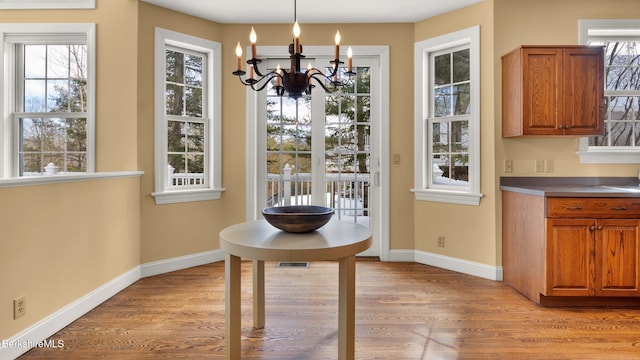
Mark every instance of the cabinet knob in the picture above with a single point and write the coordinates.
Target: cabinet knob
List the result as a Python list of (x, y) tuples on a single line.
[(592, 227), (618, 208), (600, 227)]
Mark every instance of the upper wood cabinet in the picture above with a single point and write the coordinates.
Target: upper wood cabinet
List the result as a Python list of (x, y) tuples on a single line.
[(553, 90)]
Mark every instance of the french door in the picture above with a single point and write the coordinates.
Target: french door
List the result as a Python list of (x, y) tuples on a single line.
[(322, 149)]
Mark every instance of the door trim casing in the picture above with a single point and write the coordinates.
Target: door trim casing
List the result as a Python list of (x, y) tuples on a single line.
[(382, 53)]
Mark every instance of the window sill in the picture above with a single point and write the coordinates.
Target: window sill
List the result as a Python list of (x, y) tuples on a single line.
[(453, 197), (609, 156), (57, 179), (173, 197)]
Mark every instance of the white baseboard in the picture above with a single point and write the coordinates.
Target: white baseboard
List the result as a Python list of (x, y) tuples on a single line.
[(36, 334), (181, 262), (43, 329), (454, 264)]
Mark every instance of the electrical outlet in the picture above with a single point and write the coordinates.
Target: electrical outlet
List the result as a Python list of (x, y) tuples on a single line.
[(441, 241), (548, 166), (539, 166), (19, 306), (396, 159), (508, 166)]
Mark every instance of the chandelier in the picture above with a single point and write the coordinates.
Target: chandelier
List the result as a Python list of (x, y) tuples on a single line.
[(294, 81)]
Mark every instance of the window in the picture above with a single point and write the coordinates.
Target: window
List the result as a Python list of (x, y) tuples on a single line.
[(187, 149), (48, 103), (621, 140), (447, 129), (47, 4)]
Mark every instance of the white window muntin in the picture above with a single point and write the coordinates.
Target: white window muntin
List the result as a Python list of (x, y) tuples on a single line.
[(203, 119), (12, 35), (423, 187), (444, 121), (164, 194), (601, 31)]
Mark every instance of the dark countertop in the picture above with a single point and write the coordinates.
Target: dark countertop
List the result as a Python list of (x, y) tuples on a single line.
[(573, 186)]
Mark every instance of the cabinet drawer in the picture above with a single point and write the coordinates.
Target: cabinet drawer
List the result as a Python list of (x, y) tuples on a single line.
[(603, 208)]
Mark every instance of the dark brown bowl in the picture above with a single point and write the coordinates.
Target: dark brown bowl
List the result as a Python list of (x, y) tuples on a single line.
[(298, 218)]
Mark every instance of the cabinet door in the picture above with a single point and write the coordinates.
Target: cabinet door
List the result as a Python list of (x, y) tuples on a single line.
[(617, 268), (542, 91), (569, 250), (583, 89)]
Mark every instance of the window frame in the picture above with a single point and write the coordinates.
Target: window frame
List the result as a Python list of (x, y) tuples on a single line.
[(606, 154), (8, 83), (48, 4), (165, 194), (424, 188)]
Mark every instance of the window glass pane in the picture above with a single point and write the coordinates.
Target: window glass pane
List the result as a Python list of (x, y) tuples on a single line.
[(175, 136), (57, 95), (195, 141), (442, 101), (440, 131), (53, 137), (78, 63), (174, 99), (195, 165), (622, 95), (462, 99), (193, 101), (442, 69), (194, 70), (35, 95), (459, 170), (364, 80), (31, 130), (178, 162), (35, 63), (30, 164), (364, 109), (77, 134), (58, 62), (461, 66), (175, 67), (54, 78), (460, 136)]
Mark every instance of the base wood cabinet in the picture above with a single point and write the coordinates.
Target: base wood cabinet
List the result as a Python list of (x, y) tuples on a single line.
[(553, 90), (572, 250)]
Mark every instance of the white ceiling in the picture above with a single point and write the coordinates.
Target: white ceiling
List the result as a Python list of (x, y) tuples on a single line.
[(313, 11)]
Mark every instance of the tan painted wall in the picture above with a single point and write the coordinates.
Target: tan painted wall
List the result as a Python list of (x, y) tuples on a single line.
[(59, 242), (549, 22), (469, 231), (180, 229), (72, 238)]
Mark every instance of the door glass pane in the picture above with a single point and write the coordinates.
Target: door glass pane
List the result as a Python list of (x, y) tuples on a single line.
[(288, 150), (347, 156)]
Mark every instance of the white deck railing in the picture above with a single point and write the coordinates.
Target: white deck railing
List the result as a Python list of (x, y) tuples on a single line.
[(348, 191)]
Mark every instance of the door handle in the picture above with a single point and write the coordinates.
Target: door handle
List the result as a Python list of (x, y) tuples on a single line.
[(376, 178)]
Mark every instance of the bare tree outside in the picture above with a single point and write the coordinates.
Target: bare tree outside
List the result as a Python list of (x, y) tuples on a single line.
[(184, 109), (622, 95), (54, 84)]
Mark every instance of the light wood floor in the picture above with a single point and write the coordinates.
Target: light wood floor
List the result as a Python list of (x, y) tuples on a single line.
[(403, 311)]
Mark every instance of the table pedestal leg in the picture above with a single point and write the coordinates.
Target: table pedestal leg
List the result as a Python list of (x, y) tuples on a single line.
[(258, 294), (233, 325), (346, 308)]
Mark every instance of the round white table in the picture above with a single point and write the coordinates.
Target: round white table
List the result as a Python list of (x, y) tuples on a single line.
[(259, 241)]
